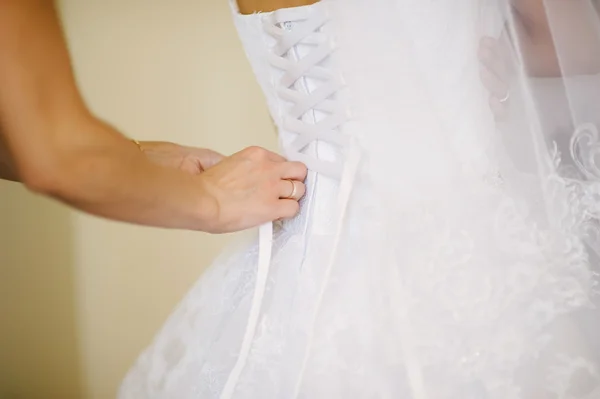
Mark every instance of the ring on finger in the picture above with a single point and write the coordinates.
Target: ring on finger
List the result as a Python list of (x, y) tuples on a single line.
[(294, 191), (505, 98)]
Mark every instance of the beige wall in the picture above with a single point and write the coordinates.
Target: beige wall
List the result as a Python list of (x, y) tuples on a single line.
[(80, 297)]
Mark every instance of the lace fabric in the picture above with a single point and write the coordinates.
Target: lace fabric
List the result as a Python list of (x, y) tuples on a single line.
[(462, 255)]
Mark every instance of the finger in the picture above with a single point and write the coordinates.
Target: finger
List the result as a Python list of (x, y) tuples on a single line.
[(294, 171), (502, 61), (496, 86), (491, 56), (286, 209), (485, 52), (499, 59), (291, 189), (487, 41), (498, 108)]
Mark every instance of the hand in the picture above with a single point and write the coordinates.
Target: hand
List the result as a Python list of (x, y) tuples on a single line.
[(253, 187), (495, 73), (188, 159)]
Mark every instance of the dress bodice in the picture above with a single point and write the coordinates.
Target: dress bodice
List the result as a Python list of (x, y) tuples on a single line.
[(338, 76), (290, 53)]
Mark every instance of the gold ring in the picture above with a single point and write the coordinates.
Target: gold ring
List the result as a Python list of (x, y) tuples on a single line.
[(294, 190)]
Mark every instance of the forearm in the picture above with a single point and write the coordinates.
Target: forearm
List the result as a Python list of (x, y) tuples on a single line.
[(58, 148), (251, 6), (7, 170), (550, 33), (109, 177), (104, 178)]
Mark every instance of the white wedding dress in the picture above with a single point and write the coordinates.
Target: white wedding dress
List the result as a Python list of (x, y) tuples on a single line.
[(425, 263)]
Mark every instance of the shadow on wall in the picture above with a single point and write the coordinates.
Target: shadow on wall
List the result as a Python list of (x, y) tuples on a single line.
[(38, 338)]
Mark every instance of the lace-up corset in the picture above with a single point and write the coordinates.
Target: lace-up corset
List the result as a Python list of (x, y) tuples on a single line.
[(303, 93), (315, 114)]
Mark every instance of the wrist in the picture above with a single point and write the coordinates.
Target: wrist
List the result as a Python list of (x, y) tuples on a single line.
[(208, 211)]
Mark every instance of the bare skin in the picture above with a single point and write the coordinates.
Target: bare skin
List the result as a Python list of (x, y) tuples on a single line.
[(252, 6), (536, 44), (51, 142)]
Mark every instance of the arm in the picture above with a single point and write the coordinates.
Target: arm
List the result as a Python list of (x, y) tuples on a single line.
[(6, 165), (536, 41), (60, 149), (6, 172), (557, 38), (251, 6)]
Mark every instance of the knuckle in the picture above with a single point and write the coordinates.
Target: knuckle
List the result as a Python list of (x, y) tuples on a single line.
[(255, 152)]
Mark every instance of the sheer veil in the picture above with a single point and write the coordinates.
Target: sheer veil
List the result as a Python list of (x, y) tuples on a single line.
[(556, 59), (548, 135), (525, 251)]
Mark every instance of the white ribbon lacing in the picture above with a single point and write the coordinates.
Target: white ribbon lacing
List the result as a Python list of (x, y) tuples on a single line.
[(292, 27)]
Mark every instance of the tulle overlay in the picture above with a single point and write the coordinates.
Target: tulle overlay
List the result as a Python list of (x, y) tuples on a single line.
[(463, 268)]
